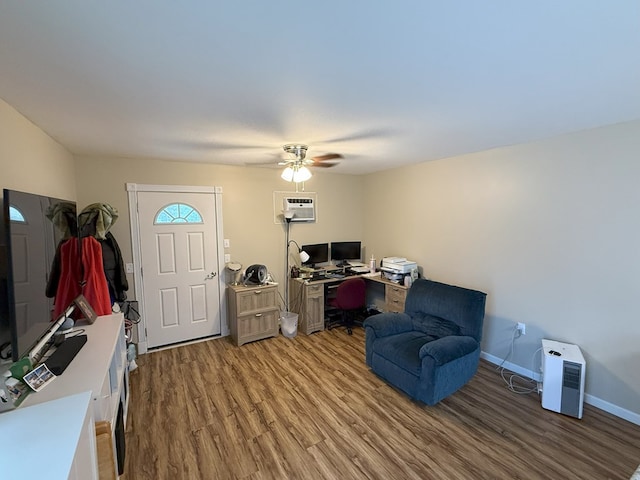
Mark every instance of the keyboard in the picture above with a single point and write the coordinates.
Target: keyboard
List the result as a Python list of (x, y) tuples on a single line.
[(358, 265), (362, 269), (335, 275)]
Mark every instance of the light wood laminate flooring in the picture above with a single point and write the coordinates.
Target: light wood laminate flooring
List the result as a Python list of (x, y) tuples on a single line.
[(309, 408)]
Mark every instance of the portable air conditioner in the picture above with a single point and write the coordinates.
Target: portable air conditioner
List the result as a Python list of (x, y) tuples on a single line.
[(303, 208), (563, 372)]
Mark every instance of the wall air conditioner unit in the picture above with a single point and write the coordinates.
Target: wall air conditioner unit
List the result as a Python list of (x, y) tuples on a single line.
[(303, 208), (563, 373)]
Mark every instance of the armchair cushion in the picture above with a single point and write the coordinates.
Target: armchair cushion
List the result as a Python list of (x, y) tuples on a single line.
[(447, 349), (434, 326), (385, 324), (404, 350)]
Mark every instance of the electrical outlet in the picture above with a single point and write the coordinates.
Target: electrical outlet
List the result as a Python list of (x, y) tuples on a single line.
[(522, 328), (227, 257)]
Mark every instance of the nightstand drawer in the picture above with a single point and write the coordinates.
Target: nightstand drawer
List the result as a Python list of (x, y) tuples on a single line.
[(257, 299), (257, 325)]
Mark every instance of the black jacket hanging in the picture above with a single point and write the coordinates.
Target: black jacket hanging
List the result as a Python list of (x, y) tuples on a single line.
[(114, 268)]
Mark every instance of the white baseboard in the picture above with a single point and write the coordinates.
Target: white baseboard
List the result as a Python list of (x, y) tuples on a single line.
[(589, 399), (512, 367)]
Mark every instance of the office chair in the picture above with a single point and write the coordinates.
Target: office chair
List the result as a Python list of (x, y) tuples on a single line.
[(350, 298)]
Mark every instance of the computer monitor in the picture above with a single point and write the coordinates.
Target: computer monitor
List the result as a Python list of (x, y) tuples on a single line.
[(343, 251), (318, 253)]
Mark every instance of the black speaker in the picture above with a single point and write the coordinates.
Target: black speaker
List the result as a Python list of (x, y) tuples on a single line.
[(256, 274)]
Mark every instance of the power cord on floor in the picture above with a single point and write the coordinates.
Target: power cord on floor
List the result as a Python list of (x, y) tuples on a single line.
[(530, 385)]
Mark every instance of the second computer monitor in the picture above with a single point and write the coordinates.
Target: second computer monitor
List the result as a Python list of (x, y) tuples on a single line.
[(341, 252), (318, 253)]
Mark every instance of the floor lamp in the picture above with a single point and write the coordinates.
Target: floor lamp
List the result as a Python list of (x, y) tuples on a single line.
[(304, 256)]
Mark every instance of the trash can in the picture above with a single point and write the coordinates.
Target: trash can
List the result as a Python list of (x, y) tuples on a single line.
[(289, 324)]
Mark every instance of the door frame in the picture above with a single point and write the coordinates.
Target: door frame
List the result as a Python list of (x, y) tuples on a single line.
[(132, 192)]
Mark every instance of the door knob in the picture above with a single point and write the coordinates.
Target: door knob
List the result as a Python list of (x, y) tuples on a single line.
[(210, 276)]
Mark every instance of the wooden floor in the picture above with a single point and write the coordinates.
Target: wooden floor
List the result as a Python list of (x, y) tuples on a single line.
[(308, 408)]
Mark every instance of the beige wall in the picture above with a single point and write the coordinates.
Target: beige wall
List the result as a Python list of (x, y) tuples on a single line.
[(247, 204), (30, 160), (550, 230)]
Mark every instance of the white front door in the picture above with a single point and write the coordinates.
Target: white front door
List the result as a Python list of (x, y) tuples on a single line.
[(179, 259)]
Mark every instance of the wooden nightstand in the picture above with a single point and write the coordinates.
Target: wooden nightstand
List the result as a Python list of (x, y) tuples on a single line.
[(253, 312)]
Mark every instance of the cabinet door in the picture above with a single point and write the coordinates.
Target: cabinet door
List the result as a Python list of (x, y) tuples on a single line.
[(315, 310)]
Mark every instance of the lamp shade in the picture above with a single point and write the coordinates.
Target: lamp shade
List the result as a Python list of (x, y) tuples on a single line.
[(302, 175), (304, 256), (287, 174)]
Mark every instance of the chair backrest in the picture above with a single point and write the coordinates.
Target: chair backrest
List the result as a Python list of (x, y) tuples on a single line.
[(460, 305), (351, 294)]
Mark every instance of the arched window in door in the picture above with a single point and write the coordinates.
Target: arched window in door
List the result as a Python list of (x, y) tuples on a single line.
[(177, 213), (16, 215)]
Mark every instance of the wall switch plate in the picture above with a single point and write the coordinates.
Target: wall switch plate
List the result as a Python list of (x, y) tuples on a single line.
[(129, 267), (227, 244)]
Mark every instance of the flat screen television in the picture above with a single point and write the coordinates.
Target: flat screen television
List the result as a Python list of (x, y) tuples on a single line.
[(318, 253), (341, 252), (28, 242)]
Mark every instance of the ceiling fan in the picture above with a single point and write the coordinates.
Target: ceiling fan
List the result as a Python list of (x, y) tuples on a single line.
[(296, 168), (300, 152)]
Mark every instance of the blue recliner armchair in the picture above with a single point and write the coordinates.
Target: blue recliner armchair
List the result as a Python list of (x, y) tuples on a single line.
[(433, 348)]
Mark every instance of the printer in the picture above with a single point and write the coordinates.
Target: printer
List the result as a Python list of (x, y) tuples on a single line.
[(396, 268), (398, 264)]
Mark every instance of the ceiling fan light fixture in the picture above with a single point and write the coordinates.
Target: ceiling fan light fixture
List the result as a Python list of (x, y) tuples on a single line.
[(296, 174)]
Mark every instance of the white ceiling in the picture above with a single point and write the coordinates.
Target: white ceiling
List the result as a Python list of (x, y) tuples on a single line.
[(384, 83)]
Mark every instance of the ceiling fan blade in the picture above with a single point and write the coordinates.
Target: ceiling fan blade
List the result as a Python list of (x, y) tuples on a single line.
[(361, 135), (327, 156), (277, 161), (215, 145), (323, 164)]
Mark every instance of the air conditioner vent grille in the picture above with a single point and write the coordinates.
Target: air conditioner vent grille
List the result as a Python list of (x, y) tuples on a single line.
[(571, 377)]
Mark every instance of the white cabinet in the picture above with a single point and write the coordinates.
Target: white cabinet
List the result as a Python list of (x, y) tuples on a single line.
[(54, 439), (100, 367)]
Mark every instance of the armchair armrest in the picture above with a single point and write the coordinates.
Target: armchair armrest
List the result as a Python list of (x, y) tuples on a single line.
[(388, 323), (446, 349)]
